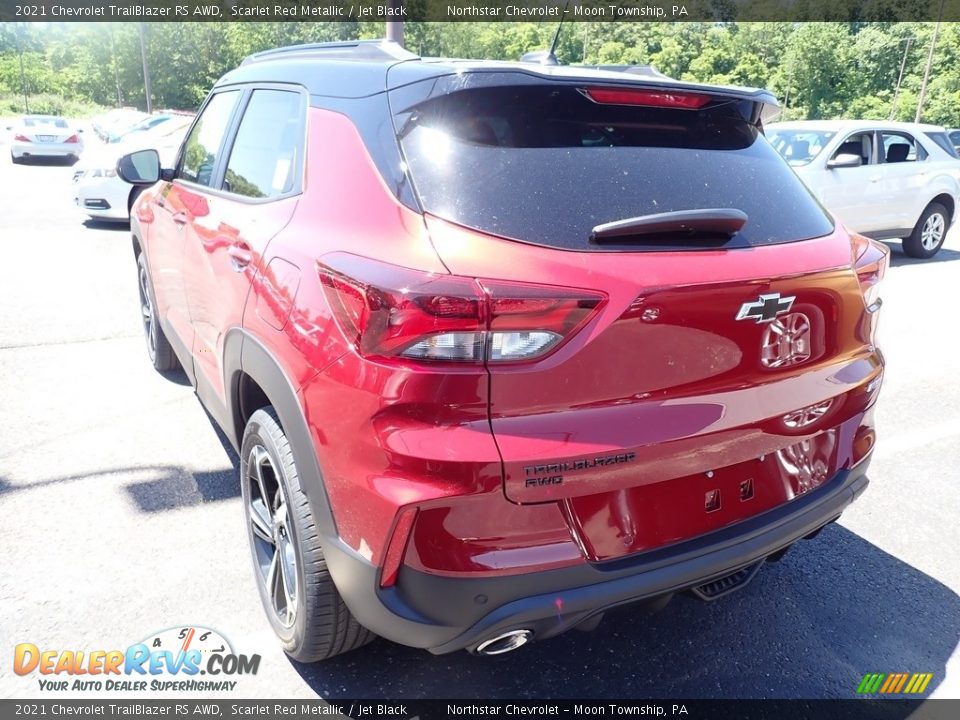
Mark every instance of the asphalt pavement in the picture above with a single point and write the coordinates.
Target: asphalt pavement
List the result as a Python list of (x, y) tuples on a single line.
[(120, 513)]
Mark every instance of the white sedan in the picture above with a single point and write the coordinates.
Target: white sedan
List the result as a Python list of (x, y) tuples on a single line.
[(44, 136), (882, 179), (97, 189)]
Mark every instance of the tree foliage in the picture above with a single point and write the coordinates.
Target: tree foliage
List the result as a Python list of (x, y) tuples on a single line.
[(818, 70)]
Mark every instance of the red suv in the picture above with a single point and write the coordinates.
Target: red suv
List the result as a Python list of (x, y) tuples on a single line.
[(504, 345)]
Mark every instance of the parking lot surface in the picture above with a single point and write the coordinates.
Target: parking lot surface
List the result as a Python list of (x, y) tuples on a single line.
[(120, 513)]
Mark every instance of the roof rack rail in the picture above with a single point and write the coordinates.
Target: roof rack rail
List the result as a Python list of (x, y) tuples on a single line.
[(368, 50)]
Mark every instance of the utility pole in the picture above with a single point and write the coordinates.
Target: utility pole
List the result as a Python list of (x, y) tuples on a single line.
[(116, 72), (23, 75), (146, 70), (896, 93), (395, 27), (926, 72)]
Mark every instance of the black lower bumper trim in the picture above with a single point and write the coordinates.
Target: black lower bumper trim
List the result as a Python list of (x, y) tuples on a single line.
[(444, 614)]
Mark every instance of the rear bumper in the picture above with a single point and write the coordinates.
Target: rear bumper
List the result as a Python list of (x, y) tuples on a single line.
[(444, 614), (45, 150)]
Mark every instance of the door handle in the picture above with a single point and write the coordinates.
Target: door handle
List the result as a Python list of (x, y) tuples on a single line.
[(875, 178), (180, 219), (240, 256)]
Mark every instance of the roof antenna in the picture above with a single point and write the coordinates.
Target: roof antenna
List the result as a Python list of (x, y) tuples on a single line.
[(548, 57)]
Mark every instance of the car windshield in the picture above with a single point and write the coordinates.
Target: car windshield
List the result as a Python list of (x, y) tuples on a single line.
[(799, 147), (39, 120)]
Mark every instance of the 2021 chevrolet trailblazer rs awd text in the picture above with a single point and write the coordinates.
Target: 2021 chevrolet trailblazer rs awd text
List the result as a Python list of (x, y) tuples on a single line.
[(502, 345)]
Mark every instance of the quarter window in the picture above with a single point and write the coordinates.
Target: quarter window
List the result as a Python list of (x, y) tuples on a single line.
[(266, 155), (202, 148)]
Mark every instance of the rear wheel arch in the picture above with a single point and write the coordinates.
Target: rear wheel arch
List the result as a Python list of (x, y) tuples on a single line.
[(947, 201), (255, 379)]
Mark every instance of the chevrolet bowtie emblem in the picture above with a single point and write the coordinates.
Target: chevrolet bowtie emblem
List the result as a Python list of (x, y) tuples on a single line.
[(766, 308)]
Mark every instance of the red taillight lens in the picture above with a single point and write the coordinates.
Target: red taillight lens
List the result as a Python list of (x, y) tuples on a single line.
[(648, 98), (392, 312), (21, 138), (393, 558), (871, 260), (72, 139), (385, 310), (528, 321)]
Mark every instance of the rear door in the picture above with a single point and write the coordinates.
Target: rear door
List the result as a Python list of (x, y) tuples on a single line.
[(907, 172)]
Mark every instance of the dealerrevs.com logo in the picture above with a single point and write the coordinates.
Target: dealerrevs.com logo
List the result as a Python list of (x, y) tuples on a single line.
[(172, 659)]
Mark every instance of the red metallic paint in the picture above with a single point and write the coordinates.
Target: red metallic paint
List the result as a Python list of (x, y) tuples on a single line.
[(681, 389)]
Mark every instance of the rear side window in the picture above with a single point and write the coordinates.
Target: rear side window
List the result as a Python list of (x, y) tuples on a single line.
[(546, 164), (266, 154), (203, 145), (941, 139), (901, 147)]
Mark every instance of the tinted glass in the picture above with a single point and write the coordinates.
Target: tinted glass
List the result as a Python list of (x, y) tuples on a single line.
[(546, 165), (265, 157), (203, 143), (798, 147), (943, 141)]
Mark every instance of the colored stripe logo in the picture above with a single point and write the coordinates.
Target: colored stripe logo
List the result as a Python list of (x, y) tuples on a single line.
[(894, 683)]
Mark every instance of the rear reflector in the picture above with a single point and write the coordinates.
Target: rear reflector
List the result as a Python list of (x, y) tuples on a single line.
[(647, 98), (387, 311), (871, 260), (393, 558)]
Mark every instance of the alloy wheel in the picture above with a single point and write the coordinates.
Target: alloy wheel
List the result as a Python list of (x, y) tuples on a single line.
[(273, 550), (932, 233), (147, 315)]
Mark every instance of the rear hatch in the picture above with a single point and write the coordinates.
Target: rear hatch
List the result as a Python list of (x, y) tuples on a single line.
[(732, 343)]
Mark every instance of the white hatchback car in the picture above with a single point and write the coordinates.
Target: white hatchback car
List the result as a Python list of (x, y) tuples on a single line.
[(882, 179)]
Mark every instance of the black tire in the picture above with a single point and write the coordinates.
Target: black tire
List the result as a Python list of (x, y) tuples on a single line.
[(14, 159), (158, 347), (313, 623), (928, 236)]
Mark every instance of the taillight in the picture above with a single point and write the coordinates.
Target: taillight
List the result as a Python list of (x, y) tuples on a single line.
[(870, 260), (648, 98), (387, 311), (72, 139), (21, 138)]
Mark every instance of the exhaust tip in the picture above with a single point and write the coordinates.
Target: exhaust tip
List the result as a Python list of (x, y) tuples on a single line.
[(504, 643)]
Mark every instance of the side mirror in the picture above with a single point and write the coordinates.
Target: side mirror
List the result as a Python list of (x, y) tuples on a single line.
[(845, 160), (140, 168)]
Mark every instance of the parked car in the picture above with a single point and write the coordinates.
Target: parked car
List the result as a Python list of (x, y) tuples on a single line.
[(96, 187), (151, 121), (884, 179), (116, 119), (502, 346), (954, 135), (44, 136)]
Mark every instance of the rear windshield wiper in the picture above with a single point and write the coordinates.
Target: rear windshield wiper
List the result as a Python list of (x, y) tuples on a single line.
[(705, 224)]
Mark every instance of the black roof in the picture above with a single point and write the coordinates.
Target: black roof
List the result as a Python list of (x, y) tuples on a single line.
[(367, 67)]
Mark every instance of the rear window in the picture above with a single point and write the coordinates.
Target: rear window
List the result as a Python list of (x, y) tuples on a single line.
[(546, 164)]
